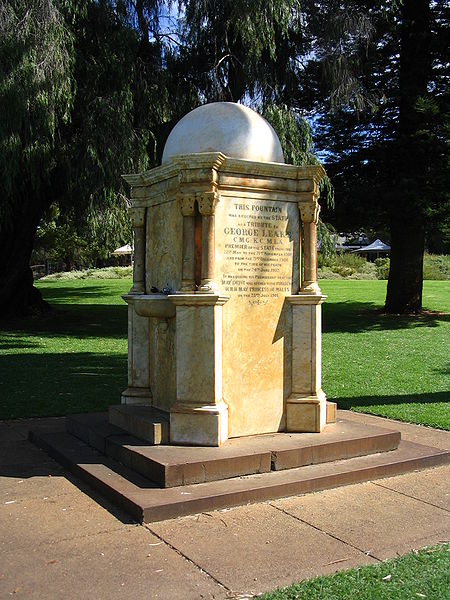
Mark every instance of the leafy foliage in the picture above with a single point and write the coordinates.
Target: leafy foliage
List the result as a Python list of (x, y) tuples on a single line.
[(91, 89), (36, 96), (296, 140), (234, 47), (83, 94)]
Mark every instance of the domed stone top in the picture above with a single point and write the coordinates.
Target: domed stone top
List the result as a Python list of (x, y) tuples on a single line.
[(233, 129)]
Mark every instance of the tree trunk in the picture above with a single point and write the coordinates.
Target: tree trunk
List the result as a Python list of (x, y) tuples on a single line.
[(18, 297), (404, 291)]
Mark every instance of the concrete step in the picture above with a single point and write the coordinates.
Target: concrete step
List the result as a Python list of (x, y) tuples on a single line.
[(173, 466), (146, 503)]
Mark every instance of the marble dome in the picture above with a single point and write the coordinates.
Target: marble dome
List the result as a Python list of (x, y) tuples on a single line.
[(235, 130)]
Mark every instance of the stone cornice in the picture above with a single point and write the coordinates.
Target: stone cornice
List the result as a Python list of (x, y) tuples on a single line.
[(273, 170), (181, 162), (198, 299), (213, 169), (220, 162), (306, 298)]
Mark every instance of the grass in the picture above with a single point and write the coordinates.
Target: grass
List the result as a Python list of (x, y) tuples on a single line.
[(393, 366), (75, 360), (423, 574)]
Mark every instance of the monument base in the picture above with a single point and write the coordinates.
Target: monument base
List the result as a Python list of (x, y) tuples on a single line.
[(136, 395), (159, 482), (331, 412), (199, 425), (306, 413), (141, 420)]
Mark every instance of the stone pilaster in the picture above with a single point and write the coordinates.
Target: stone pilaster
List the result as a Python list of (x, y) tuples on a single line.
[(306, 408), (200, 415), (138, 221), (138, 390), (206, 205), (187, 207), (309, 213)]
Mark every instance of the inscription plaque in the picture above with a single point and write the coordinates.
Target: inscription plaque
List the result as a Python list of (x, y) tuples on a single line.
[(256, 247), (257, 267)]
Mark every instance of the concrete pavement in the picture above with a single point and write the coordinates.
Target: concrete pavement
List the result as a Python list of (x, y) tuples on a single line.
[(59, 539)]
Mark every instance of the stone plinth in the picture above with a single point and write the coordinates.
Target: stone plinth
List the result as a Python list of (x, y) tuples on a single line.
[(306, 408), (160, 482), (199, 416)]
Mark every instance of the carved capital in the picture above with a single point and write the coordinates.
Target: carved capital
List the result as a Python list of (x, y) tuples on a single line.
[(186, 204), (207, 202), (137, 217), (208, 286), (309, 190), (309, 211)]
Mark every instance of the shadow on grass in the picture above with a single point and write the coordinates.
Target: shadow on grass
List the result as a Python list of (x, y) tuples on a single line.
[(425, 398), (353, 317), (79, 320), (442, 371), (63, 295), (60, 384), (15, 345)]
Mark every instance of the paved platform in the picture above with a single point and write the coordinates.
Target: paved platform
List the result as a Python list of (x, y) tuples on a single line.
[(154, 483), (62, 540)]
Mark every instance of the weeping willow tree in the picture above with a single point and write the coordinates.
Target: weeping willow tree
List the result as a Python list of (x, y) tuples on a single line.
[(82, 91), (36, 98), (296, 139), (232, 45)]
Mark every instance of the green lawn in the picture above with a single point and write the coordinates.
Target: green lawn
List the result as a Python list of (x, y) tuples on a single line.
[(393, 366), (75, 359), (424, 574)]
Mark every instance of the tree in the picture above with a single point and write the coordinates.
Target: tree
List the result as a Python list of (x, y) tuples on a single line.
[(251, 51), (91, 89), (36, 95), (83, 91), (389, 163), (418, 162)]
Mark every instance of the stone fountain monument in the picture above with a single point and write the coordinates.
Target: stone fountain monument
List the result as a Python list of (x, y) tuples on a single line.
[(224, 315), (224, 324)]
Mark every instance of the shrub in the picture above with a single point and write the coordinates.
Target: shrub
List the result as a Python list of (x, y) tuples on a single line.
[(327, 273), (346, 266), (382, 266), (353, 266), (436, 266), (342, 270), (106, 273), (352, 260)]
